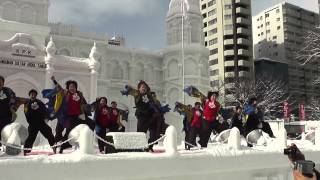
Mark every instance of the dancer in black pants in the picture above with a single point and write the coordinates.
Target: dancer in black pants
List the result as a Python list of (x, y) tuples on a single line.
[(35, 112), (145, 109), (196, 123), (7, 105), (72, 108)]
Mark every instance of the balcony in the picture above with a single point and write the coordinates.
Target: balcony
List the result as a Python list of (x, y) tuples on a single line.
[(229, 53), (245, 21), (245, 2), (244, 31), (229, 63), (244, 41), (244, 63), (229, 74), (228, 42), (241, 10), (244, 52), (244, 74), (229, 85), (228, 32), (291, 20)]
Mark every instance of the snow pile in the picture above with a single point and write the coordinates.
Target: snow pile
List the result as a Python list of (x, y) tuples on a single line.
[(129, 140)]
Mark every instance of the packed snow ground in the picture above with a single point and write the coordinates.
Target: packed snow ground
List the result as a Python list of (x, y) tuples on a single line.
[(218, 161)]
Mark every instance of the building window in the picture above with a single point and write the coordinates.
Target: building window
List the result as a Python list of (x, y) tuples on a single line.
[(214, 51), (261, 25), (214, 83), (275, 45), (213, 21), (261, 17), (274, 37), (228, 16), (228, 6), (275, 54), (261, 33), (210, 3), (278, 27), (214, 72), (212, 31), (205, 24), (278, 10), (228, 27), (212, 12), (278, 19), (213, 62), (267, 15), (213, 41), (268, 23), (268, 31)]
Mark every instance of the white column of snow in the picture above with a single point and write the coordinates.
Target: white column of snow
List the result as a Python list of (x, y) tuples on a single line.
[(170, 141), (83, 135), (317, 137), (282, 139), (234, 140), (14, 133), (94, 66), (50, 61)]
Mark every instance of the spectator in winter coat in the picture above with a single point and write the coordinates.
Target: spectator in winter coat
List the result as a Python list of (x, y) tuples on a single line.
[(35, 112), (7, 105)]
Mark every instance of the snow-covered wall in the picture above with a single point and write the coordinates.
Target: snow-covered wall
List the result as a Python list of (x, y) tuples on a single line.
[(217, 163)]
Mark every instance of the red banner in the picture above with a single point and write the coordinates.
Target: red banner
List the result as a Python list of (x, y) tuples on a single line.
[(302, 114), (286, 110)]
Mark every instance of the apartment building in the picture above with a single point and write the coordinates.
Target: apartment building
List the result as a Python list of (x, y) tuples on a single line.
[(278, 34), (228, 36)]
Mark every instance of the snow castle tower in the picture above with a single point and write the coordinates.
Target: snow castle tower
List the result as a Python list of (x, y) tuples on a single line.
[(193, 54)]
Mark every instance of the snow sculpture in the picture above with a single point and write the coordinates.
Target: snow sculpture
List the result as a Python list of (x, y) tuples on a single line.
[(234, 140), (50, 61), (170, 141), (14, 135), (82, 136), (282, 139), (94, 65), (317, 137)]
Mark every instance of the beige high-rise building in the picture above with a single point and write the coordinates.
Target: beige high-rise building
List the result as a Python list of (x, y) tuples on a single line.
[(278, 34), (228, 36)]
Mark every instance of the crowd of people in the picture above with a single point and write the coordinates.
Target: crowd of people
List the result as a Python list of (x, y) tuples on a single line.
[(205, 118), (70, 108)]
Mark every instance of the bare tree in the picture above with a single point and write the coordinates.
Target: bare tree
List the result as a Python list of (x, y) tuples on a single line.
[(313, 108), (271, 93), (310, 51)]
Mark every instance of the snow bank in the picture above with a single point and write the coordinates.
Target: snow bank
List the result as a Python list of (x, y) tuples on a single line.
[(218, 161)]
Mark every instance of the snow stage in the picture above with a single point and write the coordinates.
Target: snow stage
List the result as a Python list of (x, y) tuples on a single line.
[(222, 160)]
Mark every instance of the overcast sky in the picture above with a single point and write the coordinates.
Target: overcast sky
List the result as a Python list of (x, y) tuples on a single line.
[(142, 22)]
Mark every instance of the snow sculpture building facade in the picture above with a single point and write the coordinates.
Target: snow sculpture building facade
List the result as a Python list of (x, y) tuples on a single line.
[(37, 50)]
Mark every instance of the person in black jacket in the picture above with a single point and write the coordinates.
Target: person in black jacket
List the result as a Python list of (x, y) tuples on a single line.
[(237, 120), (35, 112), (7, 105)]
